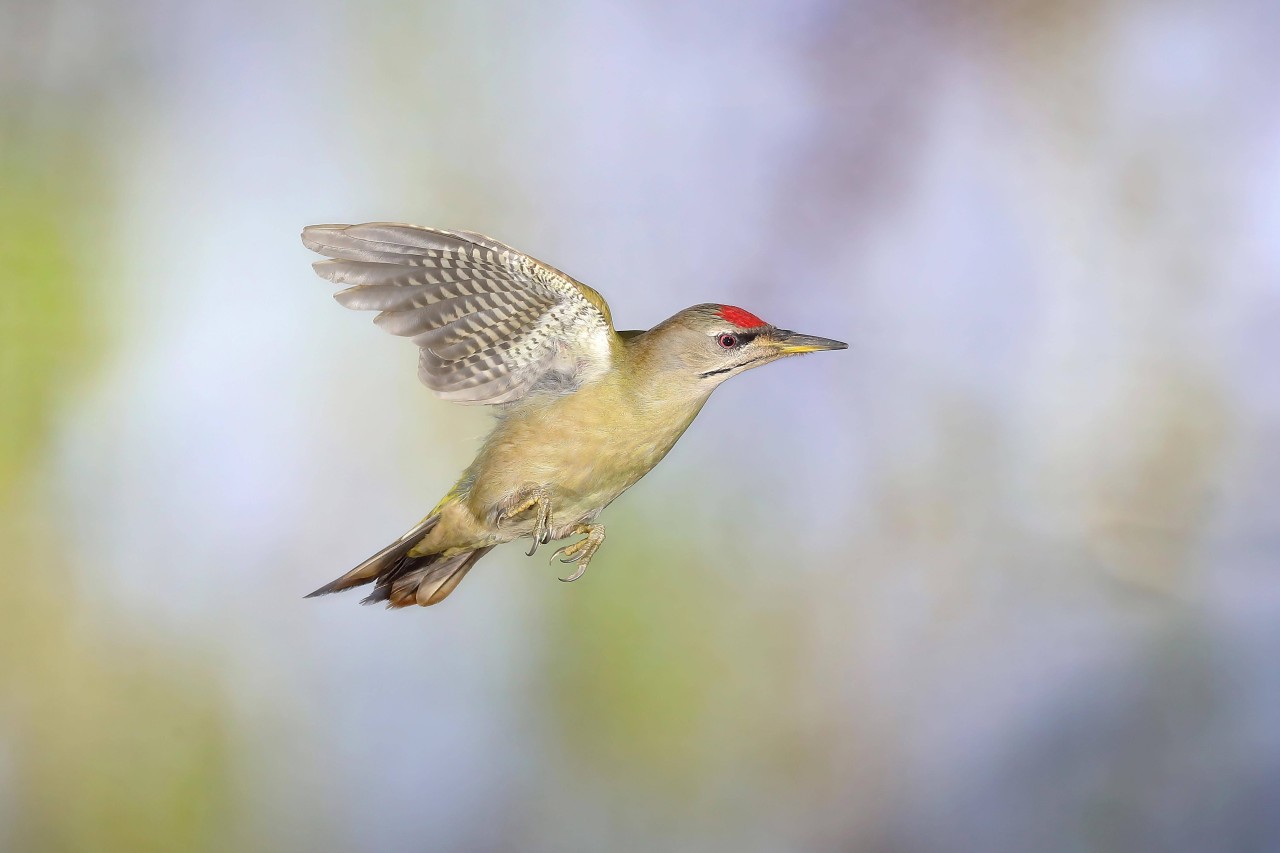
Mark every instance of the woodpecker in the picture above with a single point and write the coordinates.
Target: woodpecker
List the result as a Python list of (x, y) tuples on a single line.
[(584, 411)]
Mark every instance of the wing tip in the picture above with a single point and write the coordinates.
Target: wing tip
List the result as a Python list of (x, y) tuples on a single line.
[(312, 236)]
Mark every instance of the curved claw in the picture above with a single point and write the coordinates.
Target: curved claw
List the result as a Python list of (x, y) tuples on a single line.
[(541, 536), (582, 567), (575, 552), (582, 551)]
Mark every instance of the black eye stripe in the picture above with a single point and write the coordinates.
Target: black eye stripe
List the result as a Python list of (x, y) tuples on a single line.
[(742, 337)]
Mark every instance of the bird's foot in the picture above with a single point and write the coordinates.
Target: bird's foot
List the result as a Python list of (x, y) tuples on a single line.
[(583, 550), (534, 498)]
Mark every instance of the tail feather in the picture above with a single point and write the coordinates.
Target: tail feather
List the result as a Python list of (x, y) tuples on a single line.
[(380, 562), (403, 578), (424, 580)]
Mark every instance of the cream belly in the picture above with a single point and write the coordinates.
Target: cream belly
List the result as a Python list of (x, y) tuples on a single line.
[(585, 449)]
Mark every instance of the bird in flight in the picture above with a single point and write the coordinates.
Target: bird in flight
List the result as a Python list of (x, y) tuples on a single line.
[(584, 411)]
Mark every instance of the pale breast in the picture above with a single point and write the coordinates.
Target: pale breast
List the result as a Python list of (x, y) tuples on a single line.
[(586, 448)]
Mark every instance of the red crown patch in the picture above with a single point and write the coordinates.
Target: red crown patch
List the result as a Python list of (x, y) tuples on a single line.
[(740, 317)]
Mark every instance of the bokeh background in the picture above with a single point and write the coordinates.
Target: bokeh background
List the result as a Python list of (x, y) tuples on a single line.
[(1002, 577)]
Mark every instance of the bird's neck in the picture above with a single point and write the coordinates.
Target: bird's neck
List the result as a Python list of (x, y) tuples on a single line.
[(657, 377)]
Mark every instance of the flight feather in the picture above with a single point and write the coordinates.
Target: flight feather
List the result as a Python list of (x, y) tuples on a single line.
[(493, 325)]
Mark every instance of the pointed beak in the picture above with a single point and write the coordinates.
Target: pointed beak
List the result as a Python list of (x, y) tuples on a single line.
[(789, 343)]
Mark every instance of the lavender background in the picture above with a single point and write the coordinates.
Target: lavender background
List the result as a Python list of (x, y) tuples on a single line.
[(1003, 576)]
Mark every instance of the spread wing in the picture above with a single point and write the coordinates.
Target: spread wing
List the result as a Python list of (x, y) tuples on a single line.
[(493, 324)]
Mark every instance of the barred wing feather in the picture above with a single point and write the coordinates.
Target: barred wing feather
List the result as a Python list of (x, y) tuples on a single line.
[(494, 325)]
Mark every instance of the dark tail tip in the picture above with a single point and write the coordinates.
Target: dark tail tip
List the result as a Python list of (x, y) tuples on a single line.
[(324, 590), (389, 560)]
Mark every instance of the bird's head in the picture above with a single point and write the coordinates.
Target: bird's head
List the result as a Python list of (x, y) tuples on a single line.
[(710, 343)]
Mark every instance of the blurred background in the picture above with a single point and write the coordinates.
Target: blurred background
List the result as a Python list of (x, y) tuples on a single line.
[(1003, 576)]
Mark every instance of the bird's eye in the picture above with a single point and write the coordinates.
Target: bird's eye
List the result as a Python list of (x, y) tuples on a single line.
[(728, 341)]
